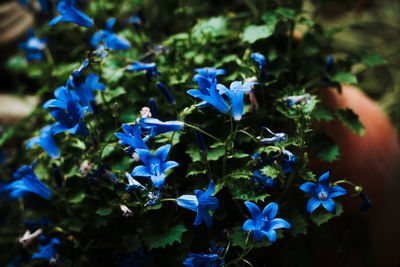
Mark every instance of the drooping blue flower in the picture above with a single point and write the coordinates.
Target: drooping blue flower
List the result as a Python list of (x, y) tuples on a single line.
[(138, 19), (63, 95), (70, 119), (70, 13), (260, 59), (200, 143), (47, 251), (132, 183), (212, 259), (84, 91), (235, 94), (158, 127), (154, 198), (201, 203), (209, 93), (298, 99), (277, 137), (288, 161), (77, 75), (150, 68), (264, 224), (28, 183), (321, 193), (207, 73), (109, 39), (33, 46), (154, 166), (265, 181), (164, 90), (367, 203), (132, 137), (46, 141), (153, 108)]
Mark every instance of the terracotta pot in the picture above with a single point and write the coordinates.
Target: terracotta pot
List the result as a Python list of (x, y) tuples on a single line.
[(372, 161)]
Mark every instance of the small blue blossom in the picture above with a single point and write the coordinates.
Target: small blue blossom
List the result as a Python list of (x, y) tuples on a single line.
[(150, 68), (235, 94), (109, 39), (70, 119), (277, 137), (154, 166), (77, 75), (28, 183), (132, 184), (46, 251), (298, 99), (138, 19), (201, 203), (158, 127), (209, 93), (46, 141), (321, 193), (164, 90), (207, 73), (264, 224), (132, 137), (265, 181), (212, 259), (260, 59), (63, 95), (288, 162), (84, 91), (70, 13), (154, 198), (33, 46)]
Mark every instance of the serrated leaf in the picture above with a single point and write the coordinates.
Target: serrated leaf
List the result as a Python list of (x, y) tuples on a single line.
[(215, 153), (104, 211), (253, 197), (241, 174), (253, 33), (320, 215), (322, 113), (196, 169), (194, 153), (307, 175), (373, 60), (271, 170), (299, 225), (161, 237), (350, 120), (345, 77), (325, 147)]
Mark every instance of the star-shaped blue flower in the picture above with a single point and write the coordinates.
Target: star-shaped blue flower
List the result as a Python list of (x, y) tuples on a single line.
[(63, 95), (28, 183), (45, 140), (70, 13), (47, 251), (207, 73), (154, 166), (260, 59), (150, 68), (264, 224), (111, 40), (235, 94), (33, 46), (158, 127), (132, 137), (201, 203), (321, 193), (209, 93), (84, 90)]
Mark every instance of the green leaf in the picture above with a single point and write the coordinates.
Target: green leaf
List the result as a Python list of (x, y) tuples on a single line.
[(320, 215), (350, 120), (104, 211), (78, 197), (299, 224), (325, 147), (322, 113), (193, 152), (307, 175), (213, 27), (270, 19), (215, 153), (239, 155), (196, 169), (7, 134), (16, 62), (110, 94), (253, 33), (286, 12), (107, 151), (345, 77), (373, 60), (239, 236), (271, 170), (160, 237)]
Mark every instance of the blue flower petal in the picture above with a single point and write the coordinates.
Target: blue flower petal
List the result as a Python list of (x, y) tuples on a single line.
[(188, 202), (336, 191), (270, 211), (308, 187), (312, 204), (329, 205)]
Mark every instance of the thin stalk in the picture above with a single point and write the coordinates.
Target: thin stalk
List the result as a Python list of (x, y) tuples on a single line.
[(204, 132)]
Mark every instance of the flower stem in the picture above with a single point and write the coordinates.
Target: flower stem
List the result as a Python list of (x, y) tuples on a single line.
[(204, 132)]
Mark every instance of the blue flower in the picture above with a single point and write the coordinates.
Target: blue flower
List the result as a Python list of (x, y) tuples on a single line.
[(33, 46), (260, 59), (264, 224), (138, 19), (164, 90), (203, 259), (201, 203), (63, 95), (298, 99), (154, 198), (70, 13), (132, 137), (207, 73), (158, 127), (321, 193), (132, 183), (28, 183), (277, 137), (287, 163), (329, 64), (84, 91), (45, 140), (110, 39), (209, 93), (46, 251), (235, 94), (70, 119), (150, 68), (154, 166), (265, 181), (76, 76)]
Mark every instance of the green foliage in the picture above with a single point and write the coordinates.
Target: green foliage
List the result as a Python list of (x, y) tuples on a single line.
[(320, 216), (350, 120)]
